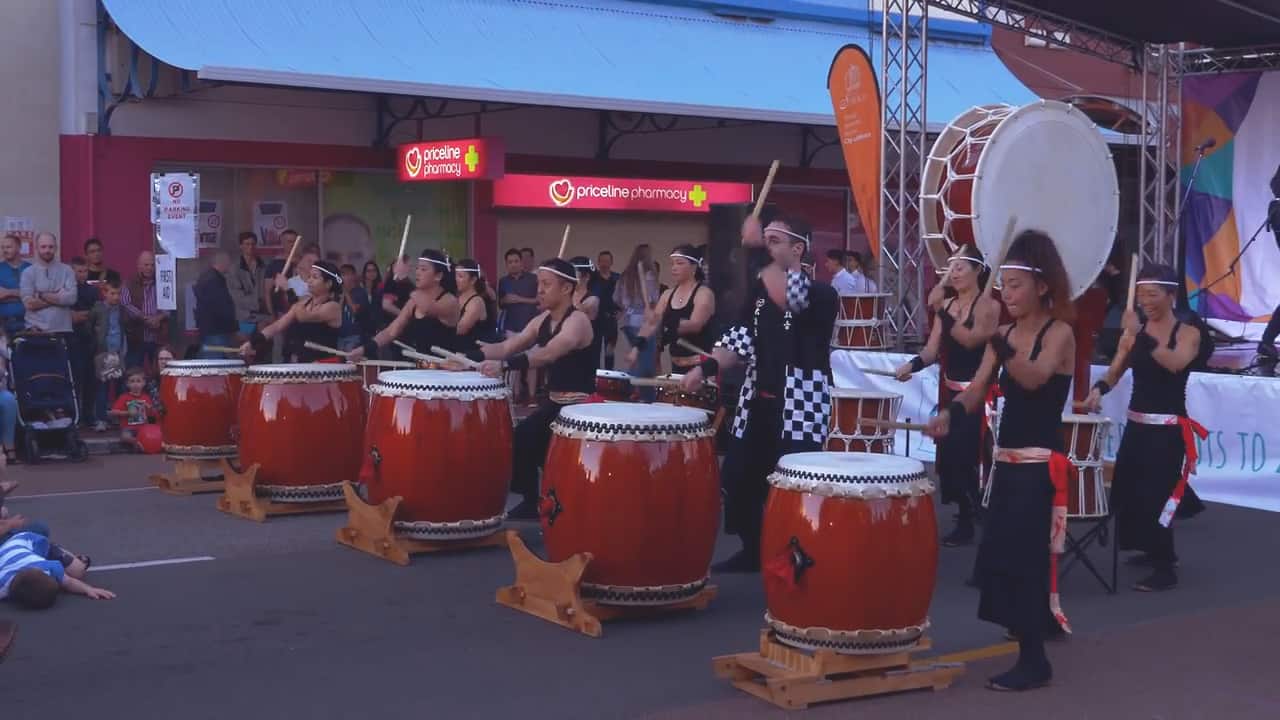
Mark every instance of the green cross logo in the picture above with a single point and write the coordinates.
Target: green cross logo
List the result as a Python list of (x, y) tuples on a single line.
[(698, 195), (472, 158)]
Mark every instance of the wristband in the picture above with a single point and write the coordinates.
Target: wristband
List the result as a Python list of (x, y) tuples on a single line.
[(1102, 387), (956, 409), (476, 355), (710, 367), (917, 364), (518, 362)]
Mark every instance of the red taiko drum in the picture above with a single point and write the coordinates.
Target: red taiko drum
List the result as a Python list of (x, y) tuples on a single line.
[(849, 551), (706, 397), (862, 306), (638, 487), (852, 408), (303, 424), (441, 441), (200, 399), (613, 385), (858, 335), (1087, 488)]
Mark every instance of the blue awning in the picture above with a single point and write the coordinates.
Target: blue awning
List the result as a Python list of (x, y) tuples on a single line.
[(609, 54)]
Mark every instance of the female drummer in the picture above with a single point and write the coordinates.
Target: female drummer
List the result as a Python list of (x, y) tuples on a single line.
[(1158, 450), (960, 332), (1036, 355), (684, 312), (478, 310), (430, 315), (318, 316), (587, 301)]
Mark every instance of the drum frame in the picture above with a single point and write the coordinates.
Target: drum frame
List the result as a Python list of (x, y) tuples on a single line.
[(1088, 470), (882, 436), (867, 332)]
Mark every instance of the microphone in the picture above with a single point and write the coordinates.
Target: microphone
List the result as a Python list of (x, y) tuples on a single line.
[(1209, 143)]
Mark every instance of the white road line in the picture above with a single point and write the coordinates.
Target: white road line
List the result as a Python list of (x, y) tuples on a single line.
[(12, 498), (151, 563)]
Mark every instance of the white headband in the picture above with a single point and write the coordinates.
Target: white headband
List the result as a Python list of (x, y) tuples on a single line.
[(690, 258), (330, 273), (974, 260), (1156, 282), (475, 270), (1028, 268), (589, 266), (570, 278), (802, 238), (444, 262)]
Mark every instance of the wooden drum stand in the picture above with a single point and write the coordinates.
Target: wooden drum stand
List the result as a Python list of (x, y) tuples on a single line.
[(371, 529), (240, 498)]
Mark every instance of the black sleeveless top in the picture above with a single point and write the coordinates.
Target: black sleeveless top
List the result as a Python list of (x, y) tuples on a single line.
[(962, 362), (424, 332), (671, 318), (1155, 388), (575, 372), (1033, 418), (316, 332), (485, 329)]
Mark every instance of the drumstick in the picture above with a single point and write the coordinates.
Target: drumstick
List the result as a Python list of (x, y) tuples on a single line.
[(564, 241), (325, 349), (692, 348), (296, 239), (882, 373), (405, 346), (892, 424), (221, 349), (644, 286), (1133, 281), (460, 359), (404, 237), (1004, 250), (387, 363), (764, 190), (424, 357), (655, 382)]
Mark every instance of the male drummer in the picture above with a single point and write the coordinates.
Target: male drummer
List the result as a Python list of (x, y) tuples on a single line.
[(560, 340), (785, 405)]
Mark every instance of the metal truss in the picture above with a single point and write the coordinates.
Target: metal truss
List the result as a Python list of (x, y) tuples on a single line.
[(813, 142), (1161, 155), (1055, 28), (133, 88), (1204, 61), (903, 66), (390, 111)]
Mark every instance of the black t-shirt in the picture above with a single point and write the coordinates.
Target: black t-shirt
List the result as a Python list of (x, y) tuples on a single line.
[(603, 288)]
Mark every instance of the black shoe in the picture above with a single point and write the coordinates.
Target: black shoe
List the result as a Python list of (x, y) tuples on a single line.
[(1159, 581), (741, 562), (960, 536), (526, 510), (1021, 678)]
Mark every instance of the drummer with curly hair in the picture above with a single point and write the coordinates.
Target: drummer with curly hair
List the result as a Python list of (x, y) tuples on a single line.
[(560, 339), (1035, 356), (784, 406)]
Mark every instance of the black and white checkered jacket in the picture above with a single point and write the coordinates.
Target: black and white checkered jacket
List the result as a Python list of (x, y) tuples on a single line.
[(804, 338)]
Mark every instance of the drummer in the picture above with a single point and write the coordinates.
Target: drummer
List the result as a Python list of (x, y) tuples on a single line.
[(478, 310), (685, 312), (430, 315), (960, 332), (559, 339), (1027, 501), (316, 318), (1158, 450), (587, 301), (784, 405)]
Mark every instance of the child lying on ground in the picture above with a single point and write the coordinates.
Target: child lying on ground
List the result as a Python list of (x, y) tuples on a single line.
[(33, 570)]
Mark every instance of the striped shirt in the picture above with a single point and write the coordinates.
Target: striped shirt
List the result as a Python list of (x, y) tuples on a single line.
[(25, 550), (146, 310)]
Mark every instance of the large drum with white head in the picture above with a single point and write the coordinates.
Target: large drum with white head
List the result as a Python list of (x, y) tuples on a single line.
[(850, 551), (638, 487), (1045, 164), (441, 441), (200, 399), (303, 424)]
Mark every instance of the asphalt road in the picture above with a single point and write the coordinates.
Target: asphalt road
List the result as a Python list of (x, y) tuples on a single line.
[(278, 620)]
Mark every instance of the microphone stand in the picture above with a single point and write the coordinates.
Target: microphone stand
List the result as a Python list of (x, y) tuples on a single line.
[(1179, 245)]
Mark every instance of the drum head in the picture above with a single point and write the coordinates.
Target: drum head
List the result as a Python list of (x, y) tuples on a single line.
[(316, 372), (853, 474), (1044, 164), (612, 375), (438, 378), (204, 364), (860, 394), (615, 415), (1085, 419)]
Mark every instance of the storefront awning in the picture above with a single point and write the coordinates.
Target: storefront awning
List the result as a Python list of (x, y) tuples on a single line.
[(608, 54)]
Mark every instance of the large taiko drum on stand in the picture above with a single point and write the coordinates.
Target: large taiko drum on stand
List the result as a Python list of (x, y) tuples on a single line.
[(200, 398), (1044, 163), (1082, 437), (613, 385), (303, 424), (850, 550), (862, 306), (441, 441), (852, 408), (638, 487)]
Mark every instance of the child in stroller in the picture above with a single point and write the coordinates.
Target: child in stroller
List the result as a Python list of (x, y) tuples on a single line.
[(48, 409)]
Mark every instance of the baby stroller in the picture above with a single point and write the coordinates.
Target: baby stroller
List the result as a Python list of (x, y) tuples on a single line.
[(48, 410)]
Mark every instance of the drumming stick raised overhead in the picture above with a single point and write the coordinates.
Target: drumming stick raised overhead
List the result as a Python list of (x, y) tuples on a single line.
[(1133, 281), (1004, 250), (289, 260), (692, 348), (326, 349), (764, 189), (404, 237), (460, 359), (564, 241)]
